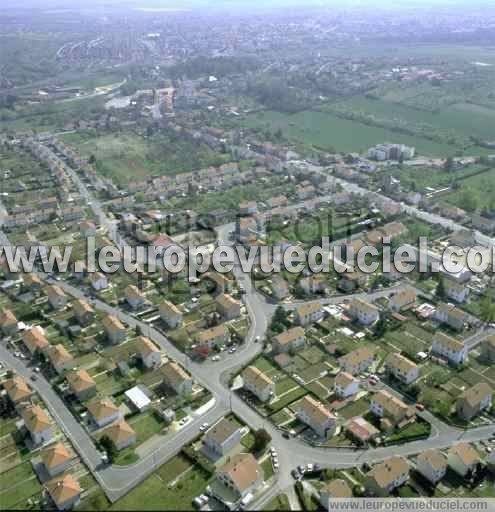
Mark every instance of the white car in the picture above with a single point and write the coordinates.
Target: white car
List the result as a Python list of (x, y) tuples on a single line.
[(215, 358), (203, 427)]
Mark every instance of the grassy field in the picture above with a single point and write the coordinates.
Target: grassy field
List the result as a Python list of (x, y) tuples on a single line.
[(128, 157), (462, 118), (327, 131), (157, 490), (481, 188)]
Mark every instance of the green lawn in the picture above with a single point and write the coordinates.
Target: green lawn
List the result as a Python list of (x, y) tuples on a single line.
[(146, 425), (327, 131), (16, 484), (128, 157), (155, 494), (280, 502)]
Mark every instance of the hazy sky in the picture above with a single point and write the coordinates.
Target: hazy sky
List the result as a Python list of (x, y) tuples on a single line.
[(232, 4)]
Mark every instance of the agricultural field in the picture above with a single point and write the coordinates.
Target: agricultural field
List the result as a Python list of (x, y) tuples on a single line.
[(328, 132)]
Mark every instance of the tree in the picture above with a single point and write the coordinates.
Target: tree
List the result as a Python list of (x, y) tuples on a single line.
[(109, 446), (487, 310), (92, 159), (449, 164), (261, 440), (440, 291)]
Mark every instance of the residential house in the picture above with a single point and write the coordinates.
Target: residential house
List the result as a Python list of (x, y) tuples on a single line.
[(161, 243), (177, 378), (227, 306), (455, 351), (103, 411), (64, 492), (121, 433), (170, 314), (56, 458), (222, 283), (474, 401), (450, 315), (360, 430), (403, 300), (87, 229), (56, 297), (364, 312), (240, 476), (258, 383), (114, 329), (488, 349), (8, 323), (214, 336), (351, 281), (60, 358), (334, 489), (98, 281), (35, 340), (309, 313), (432, 464), (149, 353), (38, 424), (463, 459), (290, 340), (221, 438), (316, 416), (83, 312), (456, 291), (248, 208), (81, 384), (313, 284), (32, 281), (387, 476), (134, 296), (357, 361), (394, 413), (401, 368), (345, 385), (280, 287), (17, 389)]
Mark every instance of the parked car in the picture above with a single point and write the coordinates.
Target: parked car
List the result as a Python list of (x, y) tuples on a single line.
[(420, 407)]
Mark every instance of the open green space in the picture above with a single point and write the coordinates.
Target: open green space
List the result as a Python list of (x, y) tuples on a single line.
[(329, 132), (127, 156)]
